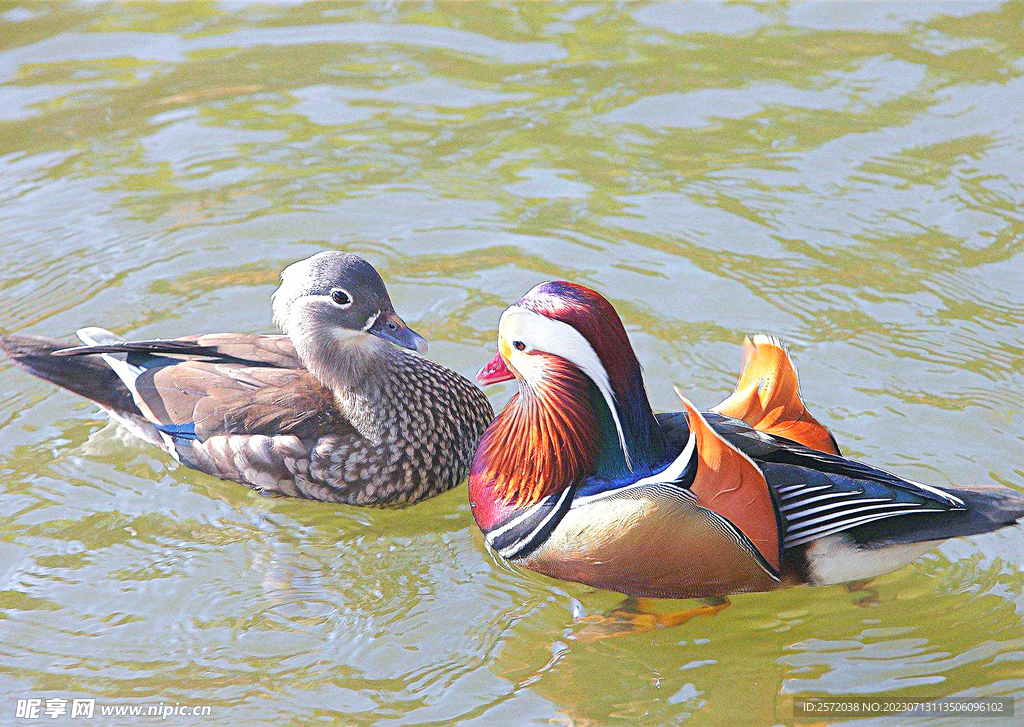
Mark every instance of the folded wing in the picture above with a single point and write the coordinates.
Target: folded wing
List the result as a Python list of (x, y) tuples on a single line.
[(237, 406), (217, 384), (820, 494), (246, 349)]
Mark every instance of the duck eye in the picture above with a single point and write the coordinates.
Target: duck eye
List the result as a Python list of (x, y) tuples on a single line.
[(392, 325), (341, 297), (519, 345)]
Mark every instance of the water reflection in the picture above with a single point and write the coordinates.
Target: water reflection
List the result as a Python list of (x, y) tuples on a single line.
[(842, 174)]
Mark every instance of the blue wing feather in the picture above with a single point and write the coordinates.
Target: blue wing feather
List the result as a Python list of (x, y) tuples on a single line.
[(179, 431)]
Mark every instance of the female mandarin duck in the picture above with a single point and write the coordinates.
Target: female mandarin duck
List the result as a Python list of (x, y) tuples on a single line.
[(578, 479), (336, 409)]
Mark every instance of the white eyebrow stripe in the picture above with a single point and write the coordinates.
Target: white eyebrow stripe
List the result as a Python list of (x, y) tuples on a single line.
[(563, 340)]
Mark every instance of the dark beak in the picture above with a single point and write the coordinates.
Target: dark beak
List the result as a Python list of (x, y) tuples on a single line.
[(393, 330)]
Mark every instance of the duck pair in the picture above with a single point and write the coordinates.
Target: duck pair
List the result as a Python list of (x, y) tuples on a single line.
[(577, 478)]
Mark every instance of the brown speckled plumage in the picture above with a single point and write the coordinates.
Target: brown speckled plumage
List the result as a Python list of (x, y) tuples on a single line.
[(412, 433), (335, 412)]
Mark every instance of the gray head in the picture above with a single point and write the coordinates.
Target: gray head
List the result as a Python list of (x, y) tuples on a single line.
[(339, 296)]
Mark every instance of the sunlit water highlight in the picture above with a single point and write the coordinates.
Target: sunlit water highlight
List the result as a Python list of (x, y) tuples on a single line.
[(846, 176)]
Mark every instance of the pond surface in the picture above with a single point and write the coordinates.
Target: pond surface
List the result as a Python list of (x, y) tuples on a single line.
[(846, 176)]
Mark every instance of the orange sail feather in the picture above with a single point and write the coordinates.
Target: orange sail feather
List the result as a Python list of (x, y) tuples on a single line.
[(730, 484), (767, 397)]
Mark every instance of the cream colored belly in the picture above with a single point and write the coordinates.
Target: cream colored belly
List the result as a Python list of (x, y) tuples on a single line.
[(836, 560), (650, 545)]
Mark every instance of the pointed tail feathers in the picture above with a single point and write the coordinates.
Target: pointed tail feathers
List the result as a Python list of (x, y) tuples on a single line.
[(117, 361), (87, 376), (986, 508), (990, 506)]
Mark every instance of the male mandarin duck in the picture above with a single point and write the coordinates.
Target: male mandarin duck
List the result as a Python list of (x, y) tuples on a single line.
[(579, 479), (337, 409)]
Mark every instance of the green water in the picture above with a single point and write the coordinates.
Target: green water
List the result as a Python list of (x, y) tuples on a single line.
[(848, 177)]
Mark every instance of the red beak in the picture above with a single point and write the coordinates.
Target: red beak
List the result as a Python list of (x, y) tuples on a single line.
[(494, 372)]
